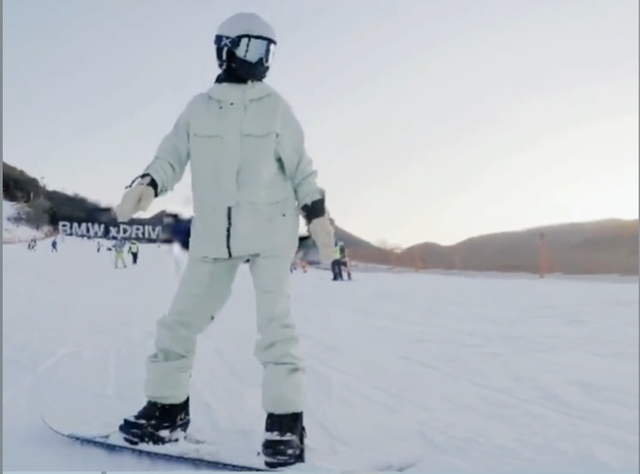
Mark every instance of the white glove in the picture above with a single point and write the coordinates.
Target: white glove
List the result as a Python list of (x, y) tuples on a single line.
[(322, 233), (136, 199)]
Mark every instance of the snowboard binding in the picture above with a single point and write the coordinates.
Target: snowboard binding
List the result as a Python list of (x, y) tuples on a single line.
[(284, 442), (157, 424)]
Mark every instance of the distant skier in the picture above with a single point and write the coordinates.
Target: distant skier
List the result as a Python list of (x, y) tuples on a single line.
[(251, 176), (54, 245), (118, 253), (98, 247), (134, 251), (339, 261), (336, 264), (33, 243)]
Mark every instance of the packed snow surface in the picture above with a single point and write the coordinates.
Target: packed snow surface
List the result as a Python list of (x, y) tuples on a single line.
[(437, 374)]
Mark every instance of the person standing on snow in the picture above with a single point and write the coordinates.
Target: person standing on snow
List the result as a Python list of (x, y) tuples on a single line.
[(251, 179), (134, 251), (118, 253), (336, 264), (340, 260)]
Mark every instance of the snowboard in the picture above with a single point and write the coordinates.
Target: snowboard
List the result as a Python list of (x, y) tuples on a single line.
[(229, 452), (194, 452)]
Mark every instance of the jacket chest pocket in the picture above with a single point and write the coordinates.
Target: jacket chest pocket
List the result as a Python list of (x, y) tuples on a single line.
[(258, 144), (206, 146), (209, 143), (261, 175), (206, 150)]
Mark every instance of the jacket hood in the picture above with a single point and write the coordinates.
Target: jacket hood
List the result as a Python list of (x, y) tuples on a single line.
[(229, 92)]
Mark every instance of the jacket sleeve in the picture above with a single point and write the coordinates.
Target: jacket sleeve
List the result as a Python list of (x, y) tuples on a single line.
[(297, 164), (172, 157)]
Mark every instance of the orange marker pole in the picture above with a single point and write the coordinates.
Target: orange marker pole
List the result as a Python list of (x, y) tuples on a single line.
[(416, 261), (542, 269)]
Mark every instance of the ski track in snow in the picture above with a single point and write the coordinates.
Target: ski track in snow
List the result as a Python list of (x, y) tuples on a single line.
[(439, 374)]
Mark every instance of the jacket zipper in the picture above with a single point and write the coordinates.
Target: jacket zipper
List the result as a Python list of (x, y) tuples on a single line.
[(229, 232)]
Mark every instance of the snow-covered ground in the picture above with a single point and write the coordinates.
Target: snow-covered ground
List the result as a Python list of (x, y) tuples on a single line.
[(444, 374), (374, 268)]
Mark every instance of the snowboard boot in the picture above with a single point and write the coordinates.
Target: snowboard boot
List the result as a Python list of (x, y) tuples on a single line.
[(156, 423), (283, 443)]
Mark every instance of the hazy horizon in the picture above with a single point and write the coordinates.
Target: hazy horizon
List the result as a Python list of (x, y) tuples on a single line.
[(435, 122)]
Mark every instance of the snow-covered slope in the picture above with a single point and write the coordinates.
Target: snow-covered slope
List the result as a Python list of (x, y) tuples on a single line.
[(447, 374)]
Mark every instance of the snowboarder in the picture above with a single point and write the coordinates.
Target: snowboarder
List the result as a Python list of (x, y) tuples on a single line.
[(339, 261), (118, 253), (336, 265), (134, 251), (251, 179)]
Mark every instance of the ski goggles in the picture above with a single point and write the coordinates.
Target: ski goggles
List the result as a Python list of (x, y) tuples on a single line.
[(248, 47)]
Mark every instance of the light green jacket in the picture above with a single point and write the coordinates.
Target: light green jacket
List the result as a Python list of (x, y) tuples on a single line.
[(250, 172)]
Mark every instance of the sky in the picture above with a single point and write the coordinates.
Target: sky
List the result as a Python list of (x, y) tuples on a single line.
[(430, 120)]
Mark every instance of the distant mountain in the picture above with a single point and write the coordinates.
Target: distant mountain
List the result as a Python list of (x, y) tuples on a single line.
[(604, 246)]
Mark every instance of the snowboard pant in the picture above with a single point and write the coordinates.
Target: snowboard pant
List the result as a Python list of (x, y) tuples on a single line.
[(179, 258), (203, 290), (119, 258), (134, 258), (336, 269), (345, 263)]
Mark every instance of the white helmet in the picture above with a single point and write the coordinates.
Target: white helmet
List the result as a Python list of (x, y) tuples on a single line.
[(245, 43)]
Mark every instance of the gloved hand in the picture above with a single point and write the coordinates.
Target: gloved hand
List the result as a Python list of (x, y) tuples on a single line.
[(322, 233), (137, 198)]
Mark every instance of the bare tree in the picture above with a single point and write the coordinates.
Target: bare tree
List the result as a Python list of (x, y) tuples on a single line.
[(382, 243), (36, 214)]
